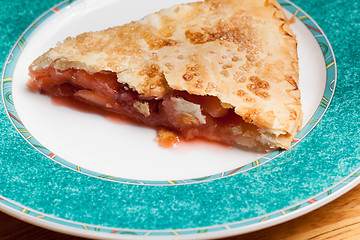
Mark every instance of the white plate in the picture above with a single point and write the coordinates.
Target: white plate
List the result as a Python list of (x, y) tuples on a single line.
[(94, 137), (83, 174)]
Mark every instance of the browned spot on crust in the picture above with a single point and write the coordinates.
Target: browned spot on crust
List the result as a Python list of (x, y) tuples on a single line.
[(240, 93), (258, 87), (292, 82), (169, 66), (262, 94), (270, 115), (151, 71), (236, 30), (214, 4), (259, 84), (197, 37), (154, 56), (225, 73), (160, 43), (239, 77), (191, 72), (167, 30), (228, 65), (188, 76), (199, 83), (209, 87), (249, 116), (193, 68), (245, 67), (250, 57), (235, 59), (293, 115)]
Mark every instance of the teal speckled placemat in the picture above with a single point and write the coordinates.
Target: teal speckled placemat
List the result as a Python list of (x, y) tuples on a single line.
[(320, 167)]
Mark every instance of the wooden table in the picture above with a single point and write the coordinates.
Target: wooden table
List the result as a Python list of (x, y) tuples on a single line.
[(339, 219)]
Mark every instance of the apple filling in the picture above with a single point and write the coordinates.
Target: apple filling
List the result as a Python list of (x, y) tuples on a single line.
[(189, 115)]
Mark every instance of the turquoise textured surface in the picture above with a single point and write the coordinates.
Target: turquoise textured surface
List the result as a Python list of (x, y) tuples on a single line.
[(328, 155)]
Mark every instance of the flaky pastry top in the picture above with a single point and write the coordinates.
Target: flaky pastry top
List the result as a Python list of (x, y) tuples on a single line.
[(241, 51)]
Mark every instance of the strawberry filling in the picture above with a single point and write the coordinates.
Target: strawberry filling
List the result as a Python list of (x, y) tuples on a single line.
[(204, 115)]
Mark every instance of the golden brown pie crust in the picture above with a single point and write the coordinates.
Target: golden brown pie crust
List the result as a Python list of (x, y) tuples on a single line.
[(241, 51)]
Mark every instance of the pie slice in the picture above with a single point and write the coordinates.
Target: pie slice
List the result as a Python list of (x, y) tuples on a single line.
[(226, 70)]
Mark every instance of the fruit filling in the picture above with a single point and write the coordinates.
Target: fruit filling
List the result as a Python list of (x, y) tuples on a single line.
[(189, 115)]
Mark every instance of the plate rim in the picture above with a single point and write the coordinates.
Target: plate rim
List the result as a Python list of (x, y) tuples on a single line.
[(84, 231)]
